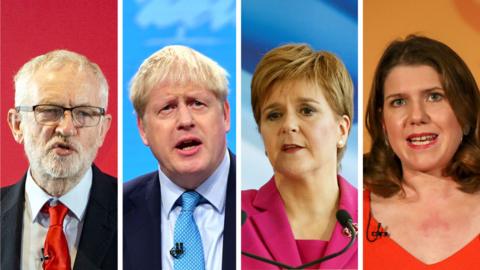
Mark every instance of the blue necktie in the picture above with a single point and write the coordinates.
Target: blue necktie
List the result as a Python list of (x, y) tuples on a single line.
[(186, 232)]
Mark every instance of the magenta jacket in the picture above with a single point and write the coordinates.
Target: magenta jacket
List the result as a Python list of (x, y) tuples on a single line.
[(267, 233)]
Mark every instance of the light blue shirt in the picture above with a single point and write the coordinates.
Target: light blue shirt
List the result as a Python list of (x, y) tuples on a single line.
[(209, 216), (36, 223)]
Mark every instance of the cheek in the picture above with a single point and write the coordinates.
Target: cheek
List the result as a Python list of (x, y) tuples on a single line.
[(268, 137), (392, 124)]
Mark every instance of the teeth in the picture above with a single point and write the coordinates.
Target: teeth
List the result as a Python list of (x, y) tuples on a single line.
[(422, 140), (189, 147)]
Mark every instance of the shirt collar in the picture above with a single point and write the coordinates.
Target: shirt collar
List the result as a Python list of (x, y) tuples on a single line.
[(76, 199), (213, 189)]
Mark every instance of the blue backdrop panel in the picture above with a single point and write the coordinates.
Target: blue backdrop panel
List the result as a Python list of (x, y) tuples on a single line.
[(148, 25), (324, 25)]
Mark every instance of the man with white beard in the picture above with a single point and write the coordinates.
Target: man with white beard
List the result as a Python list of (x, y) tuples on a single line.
[(63, 213)]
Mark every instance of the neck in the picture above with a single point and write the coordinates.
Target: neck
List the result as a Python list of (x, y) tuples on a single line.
[(55, 186), (425, 186), (314, 193)]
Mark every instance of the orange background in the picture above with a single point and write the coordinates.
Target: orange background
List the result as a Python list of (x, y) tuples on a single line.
[(453, 22)]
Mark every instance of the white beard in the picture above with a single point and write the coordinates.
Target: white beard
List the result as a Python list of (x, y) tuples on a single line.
[(47, 164)]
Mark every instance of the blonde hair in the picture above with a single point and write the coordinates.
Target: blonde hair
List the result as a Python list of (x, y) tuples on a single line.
[(300, 62), (177, 65), (55, 60)]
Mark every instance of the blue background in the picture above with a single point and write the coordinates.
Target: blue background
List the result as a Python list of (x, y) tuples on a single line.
[(266, 24), (208, 26)]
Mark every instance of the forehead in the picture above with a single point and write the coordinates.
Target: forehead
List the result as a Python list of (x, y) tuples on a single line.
[(292, 90), (170, 90), (67, 85), (411, 79)]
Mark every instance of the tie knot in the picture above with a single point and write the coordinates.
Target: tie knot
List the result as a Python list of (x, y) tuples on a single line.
[(190, 200), (57, 213)]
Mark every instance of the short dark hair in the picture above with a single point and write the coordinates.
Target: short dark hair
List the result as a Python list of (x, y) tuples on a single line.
[(382, 168)]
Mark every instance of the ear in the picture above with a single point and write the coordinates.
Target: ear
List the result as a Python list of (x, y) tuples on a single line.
[(14, 121), (104, 127), (343, 129), (141, 129), (226, 115)]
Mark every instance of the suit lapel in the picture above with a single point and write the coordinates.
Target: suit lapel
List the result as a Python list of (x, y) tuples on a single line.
[(99, 231), (273, 227), (12, 206), (229, 231), (348, 201), (143, 230)]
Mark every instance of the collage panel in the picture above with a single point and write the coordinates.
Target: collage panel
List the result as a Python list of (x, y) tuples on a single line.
[(299, 92), (421, 104), (58, 135), (179, 134)]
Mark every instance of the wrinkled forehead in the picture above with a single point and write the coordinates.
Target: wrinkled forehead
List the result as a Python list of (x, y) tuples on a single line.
[(175, 87), (63, 85)]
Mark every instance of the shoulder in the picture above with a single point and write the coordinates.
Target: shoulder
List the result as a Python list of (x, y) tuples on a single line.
[(254, 200), (139, 183), (14, 191), (346, 187), (248, 196), (105, 178)]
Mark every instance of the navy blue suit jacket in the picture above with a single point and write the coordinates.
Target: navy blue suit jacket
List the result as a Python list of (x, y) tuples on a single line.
[(97, 248), (141, 222)]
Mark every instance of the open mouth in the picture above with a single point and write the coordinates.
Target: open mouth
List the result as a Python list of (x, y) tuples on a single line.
[(188, 144), (63, 146), (422, 139), (291, 147)]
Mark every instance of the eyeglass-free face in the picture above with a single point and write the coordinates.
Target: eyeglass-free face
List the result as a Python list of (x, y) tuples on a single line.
[(60, 148), (49, 114), (419, 121)]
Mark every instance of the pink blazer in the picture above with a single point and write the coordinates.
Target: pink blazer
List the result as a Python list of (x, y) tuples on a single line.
[(267, 233)]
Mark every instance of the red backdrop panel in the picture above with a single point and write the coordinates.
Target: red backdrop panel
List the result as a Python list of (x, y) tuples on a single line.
[(30, 28)]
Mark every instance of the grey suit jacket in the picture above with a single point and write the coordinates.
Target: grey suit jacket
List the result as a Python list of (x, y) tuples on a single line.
[(98, 243)]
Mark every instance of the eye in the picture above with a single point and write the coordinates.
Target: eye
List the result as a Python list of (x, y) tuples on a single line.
[(434, 97), (273, 115), (398, 102), (307, 111), (167, 108), (198, 104)]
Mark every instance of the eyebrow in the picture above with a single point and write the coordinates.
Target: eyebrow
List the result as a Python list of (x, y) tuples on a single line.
[(424, 91), (298, 100)]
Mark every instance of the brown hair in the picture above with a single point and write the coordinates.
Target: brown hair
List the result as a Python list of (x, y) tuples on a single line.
[(381, 167), (300, 61)]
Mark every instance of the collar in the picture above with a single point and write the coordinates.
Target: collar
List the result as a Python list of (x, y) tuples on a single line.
[(76, 199), (213, 189)]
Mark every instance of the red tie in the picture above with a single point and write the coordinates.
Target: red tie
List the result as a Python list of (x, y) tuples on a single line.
[(56, 247)]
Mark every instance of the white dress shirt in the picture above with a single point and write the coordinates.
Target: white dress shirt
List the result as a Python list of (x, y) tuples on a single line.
[(36, 223), (208, 216)]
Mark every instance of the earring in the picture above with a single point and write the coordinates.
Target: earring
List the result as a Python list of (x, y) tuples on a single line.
[(340, 144), (466, 130)]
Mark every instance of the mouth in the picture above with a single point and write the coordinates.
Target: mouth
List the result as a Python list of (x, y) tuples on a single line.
[(424, 139), (188, 146), (291, 148), (63, 148)]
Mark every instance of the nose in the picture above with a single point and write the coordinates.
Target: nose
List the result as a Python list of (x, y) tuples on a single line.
[(418, 113), (185, 118), (290, 123), (66, 127)]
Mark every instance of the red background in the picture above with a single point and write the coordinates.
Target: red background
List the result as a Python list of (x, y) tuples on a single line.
[(30, 28)]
